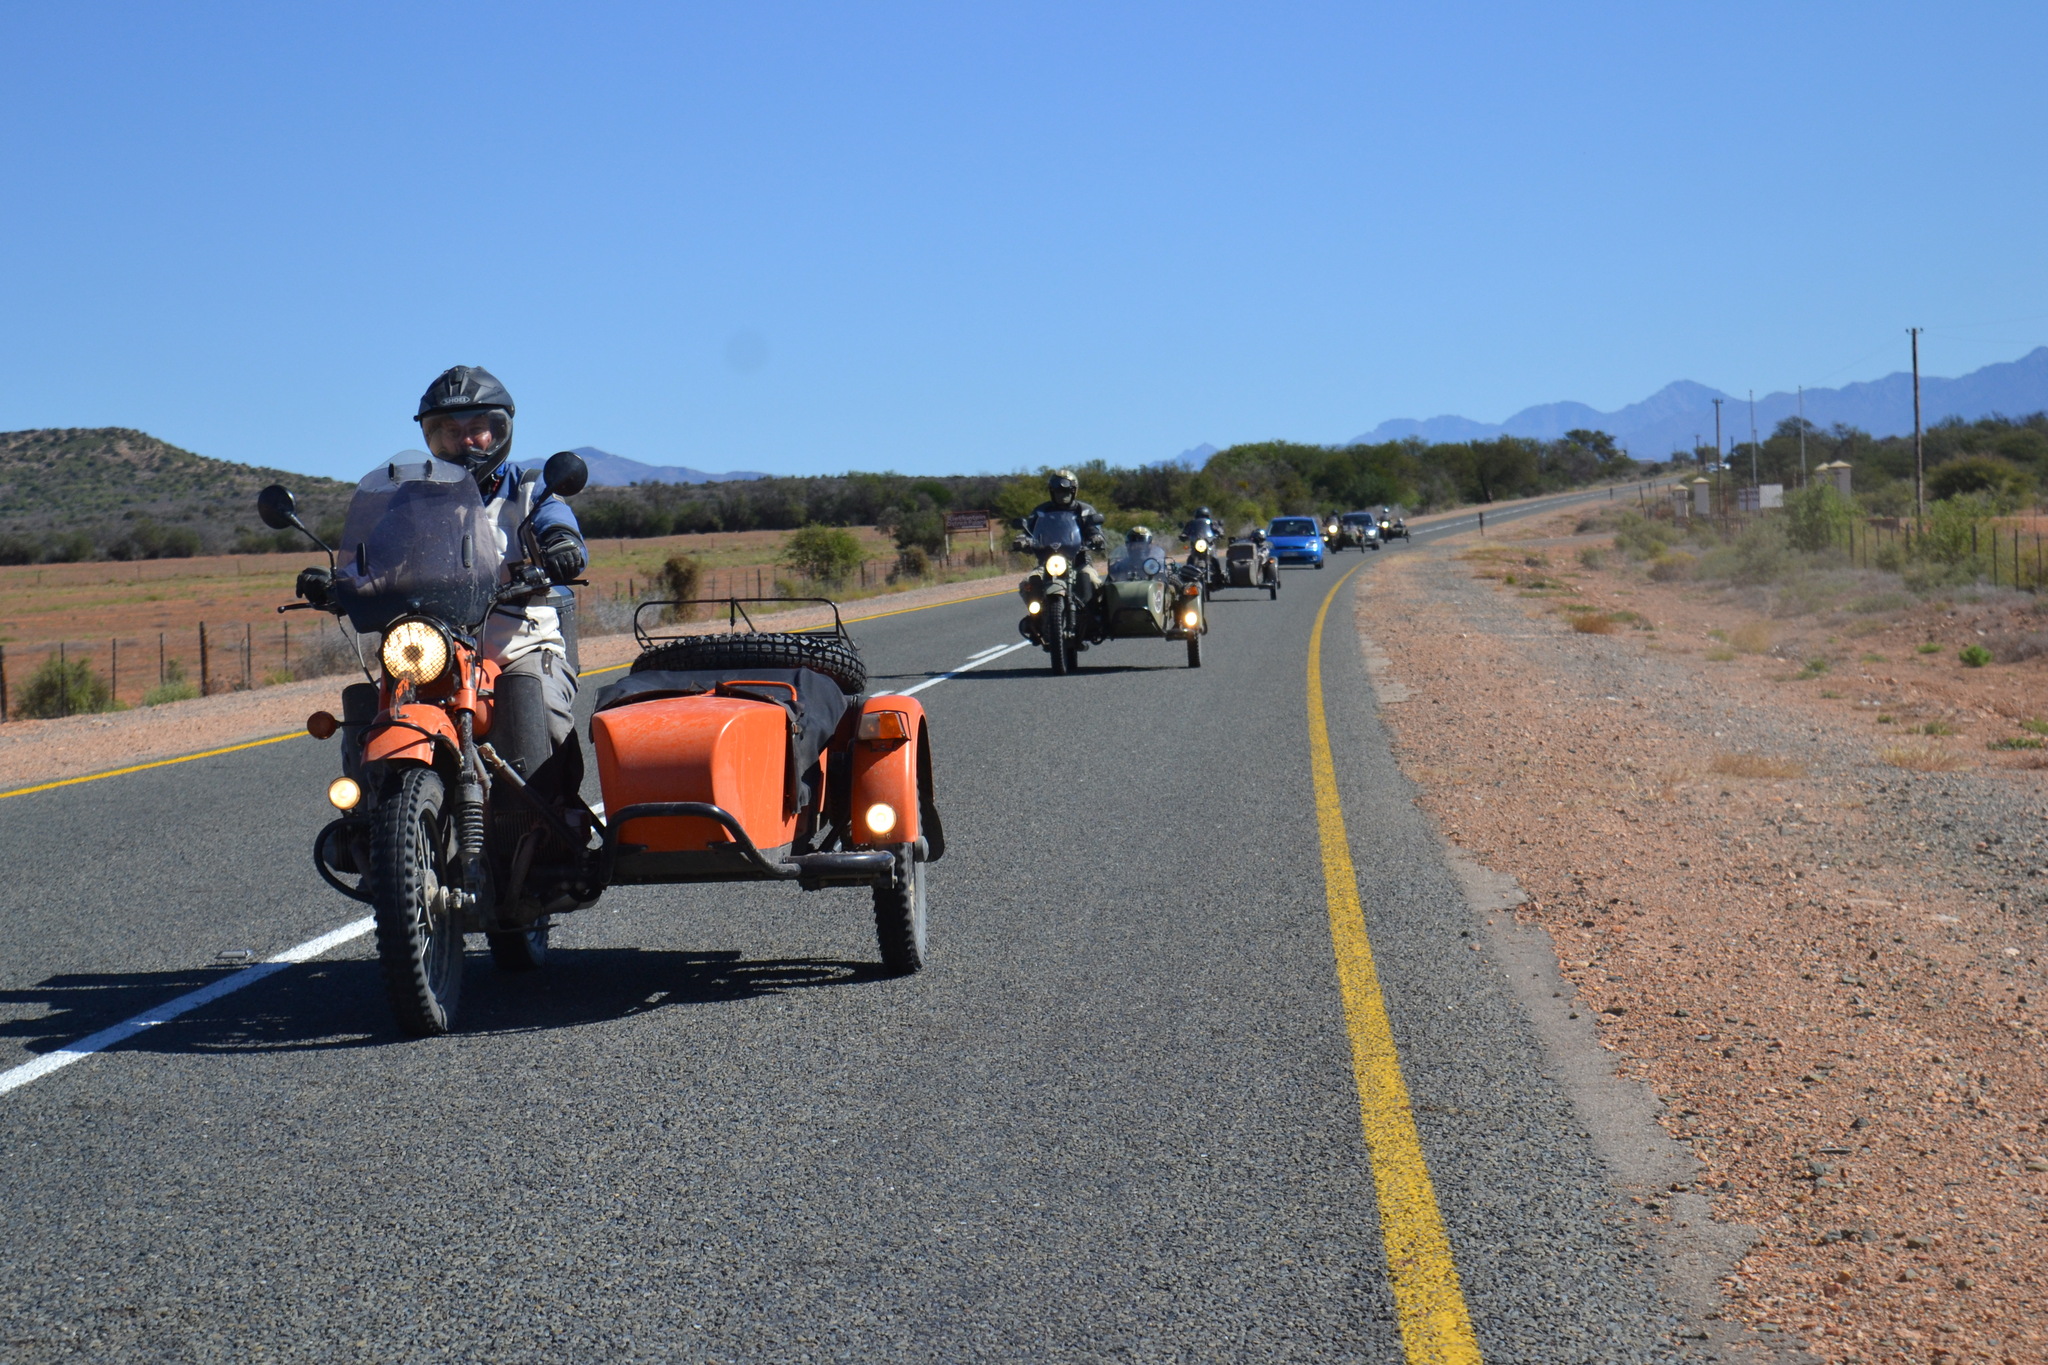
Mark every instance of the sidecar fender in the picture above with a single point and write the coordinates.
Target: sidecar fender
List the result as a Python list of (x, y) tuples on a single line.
[(891, 760)]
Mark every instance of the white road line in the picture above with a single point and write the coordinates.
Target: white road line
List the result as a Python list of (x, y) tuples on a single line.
[(64, 1056), (976, 662), (992, 649)]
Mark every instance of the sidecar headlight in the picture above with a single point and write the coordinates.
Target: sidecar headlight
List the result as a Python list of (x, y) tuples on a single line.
[(881, 817), (1190, 617), (1056, 565), (1034, 607), (1201, 546), (415, 652), (343, 793)]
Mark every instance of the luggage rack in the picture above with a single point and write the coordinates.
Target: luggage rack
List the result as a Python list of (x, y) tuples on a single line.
[(734, 615)]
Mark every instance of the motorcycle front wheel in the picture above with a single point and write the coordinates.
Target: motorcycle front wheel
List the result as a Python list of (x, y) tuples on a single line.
[(1055, 629), (419, 935)]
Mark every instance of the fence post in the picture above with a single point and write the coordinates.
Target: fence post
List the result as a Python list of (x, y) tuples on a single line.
[(248, 649), (114, 670), (3, 683), (205, 673), (159, 658), (63, 682)]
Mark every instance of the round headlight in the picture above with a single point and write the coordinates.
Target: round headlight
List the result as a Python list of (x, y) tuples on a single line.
[(343, 793), (1056, 565), (1190, 617), (881, 817), (1201, 546), (1033, 608), (415, 652)]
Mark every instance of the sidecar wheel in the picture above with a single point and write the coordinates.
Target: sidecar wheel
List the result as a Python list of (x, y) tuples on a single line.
[(1194, 651), (520, 950), (900, 915), (419, 935), (831, 655)]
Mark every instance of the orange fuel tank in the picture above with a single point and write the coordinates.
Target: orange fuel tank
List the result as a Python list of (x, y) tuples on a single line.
[(725, 750)]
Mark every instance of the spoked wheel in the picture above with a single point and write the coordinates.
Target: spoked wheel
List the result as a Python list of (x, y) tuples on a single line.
[(520, 950), (413, 887), (900, 914), (1194, 651), (1056, 633)]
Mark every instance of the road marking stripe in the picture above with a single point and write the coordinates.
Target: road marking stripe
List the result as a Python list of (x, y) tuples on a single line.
[(160, 763), (64, 1056), (1436, 1329), (973, 663), (850, 620)]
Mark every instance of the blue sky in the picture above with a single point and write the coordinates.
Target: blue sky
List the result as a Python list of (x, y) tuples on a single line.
[(938, 238)]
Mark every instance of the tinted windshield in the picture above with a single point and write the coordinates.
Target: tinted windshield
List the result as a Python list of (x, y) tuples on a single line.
[(1056, 530), (1293, 526), (417, 539), (1139, 560)]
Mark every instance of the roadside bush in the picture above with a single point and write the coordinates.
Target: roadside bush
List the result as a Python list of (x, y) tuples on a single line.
[(913, 562), (1673, 567), (19, 550), (1640, 538), (65, 688), (1976, 656), (1816, 517), (1759, 554), (2004, 485), (1593, 557), (69, 549), (824, 553), (323, 655), (681, 577)]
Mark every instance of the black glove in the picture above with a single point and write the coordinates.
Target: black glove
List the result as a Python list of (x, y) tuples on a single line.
[(316, 586), (561, 551)]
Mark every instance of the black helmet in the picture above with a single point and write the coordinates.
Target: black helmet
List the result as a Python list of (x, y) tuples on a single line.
[(1205, 514), (1062, 487), (466, 418)]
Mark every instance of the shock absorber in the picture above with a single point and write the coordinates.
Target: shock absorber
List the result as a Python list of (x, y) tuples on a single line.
[(469, 823)]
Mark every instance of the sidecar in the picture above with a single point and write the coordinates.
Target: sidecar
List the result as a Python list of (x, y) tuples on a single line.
[(1148, 596), (750, 755), (1248, 563)]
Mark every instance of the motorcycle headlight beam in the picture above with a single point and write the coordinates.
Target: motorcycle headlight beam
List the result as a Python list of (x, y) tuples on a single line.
[(1034, 607), (415, 652), (1190, 617), (1201, 546), (881, 817), (1056, 565), (343, 793)]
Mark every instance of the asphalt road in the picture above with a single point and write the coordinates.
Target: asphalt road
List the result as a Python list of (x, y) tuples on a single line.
[(1115, 1119)]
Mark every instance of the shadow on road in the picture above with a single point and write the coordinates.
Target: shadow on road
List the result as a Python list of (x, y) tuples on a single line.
[(328, 1005)]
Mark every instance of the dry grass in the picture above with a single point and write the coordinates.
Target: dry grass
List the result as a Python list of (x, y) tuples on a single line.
[(1752, 637), (1593, 623), (1923, 758), (1756, 765)]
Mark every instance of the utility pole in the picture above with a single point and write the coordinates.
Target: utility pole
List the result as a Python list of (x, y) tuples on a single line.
[(1919, 457), (1752, 447), (1802, 435), (1717, 431)]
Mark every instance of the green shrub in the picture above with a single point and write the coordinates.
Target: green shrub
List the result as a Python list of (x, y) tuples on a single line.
[(824, 553), (1929, 648), (2003, 485), (65, 688), (2017, 742), (1640, 538), (912, 562), (170, 691), (1817, 517), (680, 578), (1976, 656)]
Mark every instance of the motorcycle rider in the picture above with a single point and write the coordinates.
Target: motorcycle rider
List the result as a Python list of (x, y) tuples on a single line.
[(1063, 494), (466, 418)]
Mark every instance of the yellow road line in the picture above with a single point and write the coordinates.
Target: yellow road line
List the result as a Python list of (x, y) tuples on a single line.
[(852, 620), (1435, 1327), (160, 763)]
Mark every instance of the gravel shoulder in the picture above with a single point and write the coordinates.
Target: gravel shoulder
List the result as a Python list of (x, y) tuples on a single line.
[(38, 751), (1827, 966)]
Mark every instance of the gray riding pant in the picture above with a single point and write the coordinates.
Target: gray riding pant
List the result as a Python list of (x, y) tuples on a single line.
[(558, 686)]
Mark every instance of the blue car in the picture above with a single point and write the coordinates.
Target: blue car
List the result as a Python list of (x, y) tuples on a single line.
[(1296, 540)]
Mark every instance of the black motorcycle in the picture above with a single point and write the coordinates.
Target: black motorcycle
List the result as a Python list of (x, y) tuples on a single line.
[(1205, 541), (1060, 597)]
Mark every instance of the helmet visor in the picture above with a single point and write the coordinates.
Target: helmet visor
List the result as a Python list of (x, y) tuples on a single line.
[(467, 437)]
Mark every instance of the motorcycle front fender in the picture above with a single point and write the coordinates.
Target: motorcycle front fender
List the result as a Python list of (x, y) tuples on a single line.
[(409, 734)]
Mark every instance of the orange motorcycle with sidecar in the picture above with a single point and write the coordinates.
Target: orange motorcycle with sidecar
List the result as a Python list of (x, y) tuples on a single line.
[(735, 756)]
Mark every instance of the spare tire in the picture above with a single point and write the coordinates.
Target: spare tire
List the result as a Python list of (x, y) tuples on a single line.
[(833, 655)]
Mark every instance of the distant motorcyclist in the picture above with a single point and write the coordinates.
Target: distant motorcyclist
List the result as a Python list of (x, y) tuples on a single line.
[(466, 418)]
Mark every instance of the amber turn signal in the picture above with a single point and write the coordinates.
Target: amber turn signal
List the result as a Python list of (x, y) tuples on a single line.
[(321, 725), (885, 725)]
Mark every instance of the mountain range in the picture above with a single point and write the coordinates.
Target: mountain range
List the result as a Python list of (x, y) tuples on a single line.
[(1678, 414), (616, 470)]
